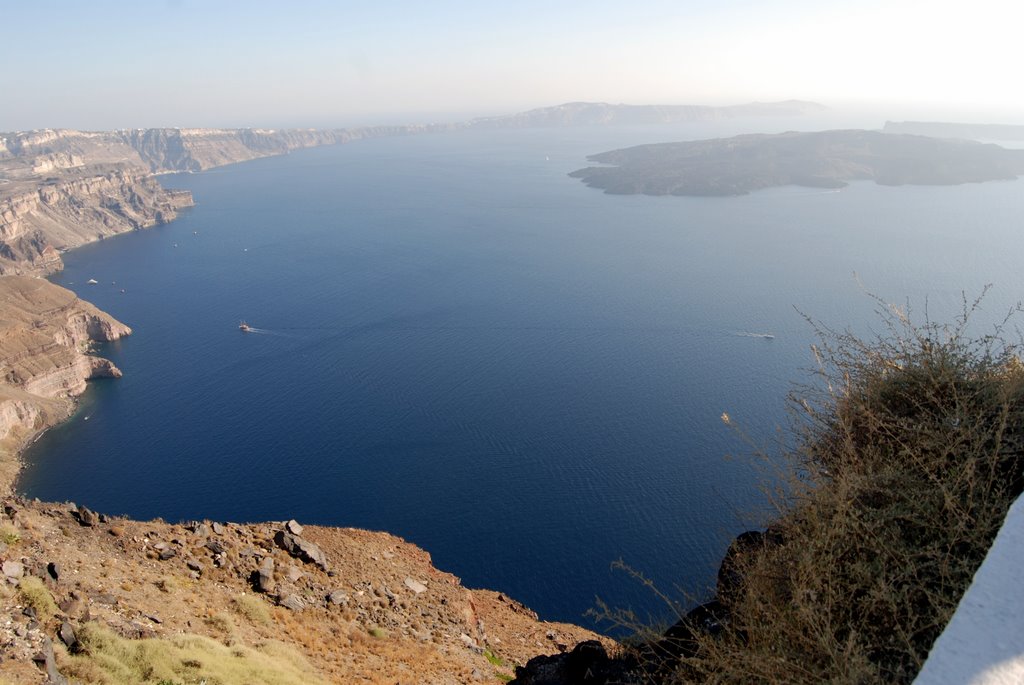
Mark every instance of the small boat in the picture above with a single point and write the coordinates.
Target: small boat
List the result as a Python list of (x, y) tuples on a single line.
[(244, 327), (92, 281)]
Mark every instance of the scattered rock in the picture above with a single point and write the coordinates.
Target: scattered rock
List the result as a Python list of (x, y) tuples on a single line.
[(168, 553), (293, 527), (72, 606), (198, 529), (215, 547), (53, 570), (294, 573), (264, 577), (293, 602), (13, 569), (87, 517), (337, 597), (218, 529), (301, 548), (45, 660), (415, 585), (67, 636)]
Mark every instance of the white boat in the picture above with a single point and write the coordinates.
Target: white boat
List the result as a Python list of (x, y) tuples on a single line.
[(92, 281)]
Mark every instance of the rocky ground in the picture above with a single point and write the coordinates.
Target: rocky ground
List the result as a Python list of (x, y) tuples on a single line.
[(358, 606)]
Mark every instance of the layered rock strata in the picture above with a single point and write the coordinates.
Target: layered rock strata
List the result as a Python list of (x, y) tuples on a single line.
[(46, 334), (39, 223)]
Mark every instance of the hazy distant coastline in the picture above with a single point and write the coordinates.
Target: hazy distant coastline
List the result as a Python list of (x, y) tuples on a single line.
[(826, 159), (940, 129)]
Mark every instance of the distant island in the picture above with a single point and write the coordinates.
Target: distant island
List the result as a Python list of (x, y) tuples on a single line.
[(950, 130), (826, 159)]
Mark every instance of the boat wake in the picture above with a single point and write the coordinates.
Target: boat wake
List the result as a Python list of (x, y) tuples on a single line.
[(748, 334), (265, 331)]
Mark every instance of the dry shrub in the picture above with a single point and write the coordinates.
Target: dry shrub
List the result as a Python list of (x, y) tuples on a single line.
[(907, 458)]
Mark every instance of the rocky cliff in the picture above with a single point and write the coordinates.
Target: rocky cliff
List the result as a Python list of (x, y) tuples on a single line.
[(46, 334), (40, 220), (62, 188)]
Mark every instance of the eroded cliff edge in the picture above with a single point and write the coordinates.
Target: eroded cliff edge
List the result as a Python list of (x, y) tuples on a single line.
[(46, 334)]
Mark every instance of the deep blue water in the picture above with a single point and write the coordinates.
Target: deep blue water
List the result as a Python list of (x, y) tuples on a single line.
[(463, 346)]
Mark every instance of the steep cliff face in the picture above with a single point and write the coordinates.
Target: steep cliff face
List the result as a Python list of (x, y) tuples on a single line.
[(45, 336), (196, 149), (36, 224), (60, 188)]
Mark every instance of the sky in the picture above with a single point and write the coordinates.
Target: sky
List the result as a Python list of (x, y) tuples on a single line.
[(109, 64)]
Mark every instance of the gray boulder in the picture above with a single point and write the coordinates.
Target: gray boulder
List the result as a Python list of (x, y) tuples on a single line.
[(303, 549)]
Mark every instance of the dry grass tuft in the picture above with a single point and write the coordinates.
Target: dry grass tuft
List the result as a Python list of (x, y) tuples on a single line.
[(9, 535), (33, 593), (254, 609), (183, 660)]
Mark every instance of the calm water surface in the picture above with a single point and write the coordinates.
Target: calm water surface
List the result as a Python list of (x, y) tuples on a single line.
[(461, 345)]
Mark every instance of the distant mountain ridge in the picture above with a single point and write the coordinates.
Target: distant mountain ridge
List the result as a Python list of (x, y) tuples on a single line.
[(603, 113)]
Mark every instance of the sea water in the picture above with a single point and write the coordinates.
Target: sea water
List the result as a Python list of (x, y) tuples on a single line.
[(457, 343)]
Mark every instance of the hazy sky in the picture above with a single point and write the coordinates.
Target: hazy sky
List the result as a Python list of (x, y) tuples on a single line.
[(110, 63)]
